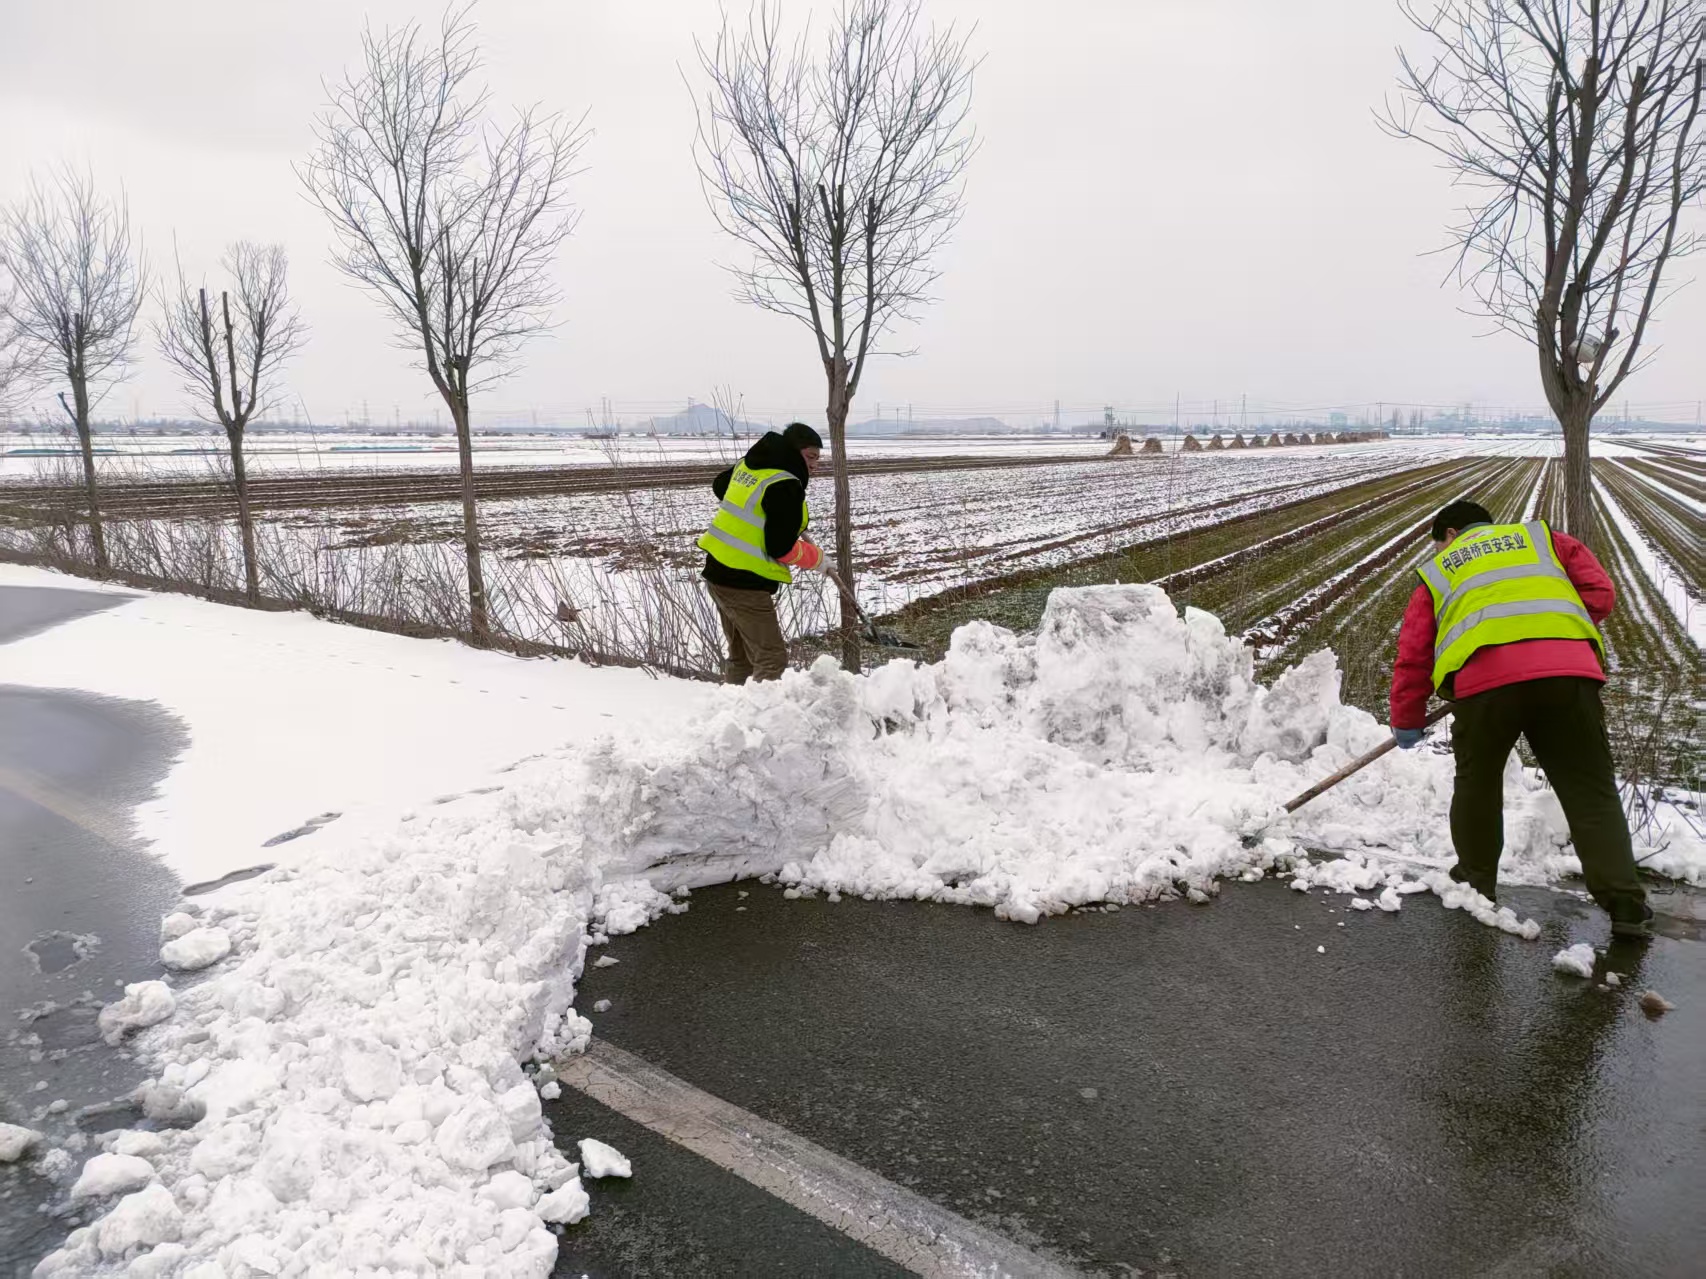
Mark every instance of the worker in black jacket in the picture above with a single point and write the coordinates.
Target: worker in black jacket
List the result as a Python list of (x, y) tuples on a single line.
[(756, 539)]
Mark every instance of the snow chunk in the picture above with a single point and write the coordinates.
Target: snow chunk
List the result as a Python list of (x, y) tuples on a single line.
[(110, 1174), (136, 1141), (565, 1205), (150, 1216), (600, 1160), (196, 949), (372, 1072), (1361, 903), (175, 925), (1576, 960), (476, 1137), (509, 1190), (1390, 901), (16, 1142), (145, 1003)]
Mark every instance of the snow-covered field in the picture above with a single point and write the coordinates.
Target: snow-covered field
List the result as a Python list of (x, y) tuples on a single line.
[(123, 456), (357, 1072)]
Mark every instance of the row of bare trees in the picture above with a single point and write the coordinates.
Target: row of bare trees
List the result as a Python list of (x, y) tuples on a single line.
[(76, 281), (837, 163), (841, 171)]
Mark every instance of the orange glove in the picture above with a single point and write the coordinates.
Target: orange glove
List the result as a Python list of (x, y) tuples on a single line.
[(804, 555)]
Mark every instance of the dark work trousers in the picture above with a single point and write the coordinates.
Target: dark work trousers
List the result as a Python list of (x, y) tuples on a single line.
[(757, 650), (1565, 726)]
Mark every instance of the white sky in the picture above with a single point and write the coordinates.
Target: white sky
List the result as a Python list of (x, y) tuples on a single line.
[(1173, 197)]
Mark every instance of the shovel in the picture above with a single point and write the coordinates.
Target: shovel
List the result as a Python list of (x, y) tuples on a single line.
[(882, 639), (1355, 766)]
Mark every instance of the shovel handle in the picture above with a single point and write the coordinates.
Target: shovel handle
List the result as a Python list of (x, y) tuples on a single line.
[(846, 594), (1358, 764)]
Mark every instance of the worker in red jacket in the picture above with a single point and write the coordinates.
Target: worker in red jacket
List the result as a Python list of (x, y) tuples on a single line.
[(1505, 626)]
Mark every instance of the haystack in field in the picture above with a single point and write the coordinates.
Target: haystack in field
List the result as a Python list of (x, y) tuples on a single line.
[(1238, 442), (1216, 443), (1191, 445), (1290, 438), (1122, 446), (1151, 445), (1303, 438), (1274, 440)]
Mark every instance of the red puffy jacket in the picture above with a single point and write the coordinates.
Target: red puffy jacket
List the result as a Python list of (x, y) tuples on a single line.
[(1499, 664)]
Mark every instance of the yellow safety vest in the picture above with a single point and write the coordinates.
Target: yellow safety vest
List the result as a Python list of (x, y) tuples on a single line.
[(736, 535), (1498, 584)]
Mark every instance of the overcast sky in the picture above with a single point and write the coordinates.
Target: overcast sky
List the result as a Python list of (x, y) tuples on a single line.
[(1172, 197)]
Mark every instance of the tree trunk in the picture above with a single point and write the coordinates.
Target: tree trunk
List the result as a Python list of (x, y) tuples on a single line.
[(479, 621), (80, 398), (245, 519), (1578, 473), (837, 417)]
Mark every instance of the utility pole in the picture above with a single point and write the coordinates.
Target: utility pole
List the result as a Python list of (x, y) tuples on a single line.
[(1178, 398), (1057, 417), (1243, 412)]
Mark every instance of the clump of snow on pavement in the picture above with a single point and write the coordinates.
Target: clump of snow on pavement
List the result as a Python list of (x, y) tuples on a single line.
[(350, 1071), (16, 1142), (600, 1160), (1576, 960)]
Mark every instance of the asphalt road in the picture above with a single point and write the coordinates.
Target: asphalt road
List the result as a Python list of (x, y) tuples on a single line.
[(1175, 1090), (82, 900)]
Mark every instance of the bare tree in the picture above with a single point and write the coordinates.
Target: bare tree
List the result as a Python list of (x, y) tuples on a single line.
[(229, 353), (10, 362), (450, 221), (1578, 124), (78, 284), (843, 175)]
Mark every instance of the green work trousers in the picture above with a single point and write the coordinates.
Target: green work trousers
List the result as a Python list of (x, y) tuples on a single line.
[(757, 650)]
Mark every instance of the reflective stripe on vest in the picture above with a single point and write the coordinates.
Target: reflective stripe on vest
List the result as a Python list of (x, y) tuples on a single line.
[(1500, 584), (736, 535)]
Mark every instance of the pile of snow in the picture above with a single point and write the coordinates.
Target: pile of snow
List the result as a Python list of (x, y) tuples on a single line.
[(349, 1066), (1117, 756)]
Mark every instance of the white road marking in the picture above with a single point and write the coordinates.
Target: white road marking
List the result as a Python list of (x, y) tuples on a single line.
[(904, 1227)]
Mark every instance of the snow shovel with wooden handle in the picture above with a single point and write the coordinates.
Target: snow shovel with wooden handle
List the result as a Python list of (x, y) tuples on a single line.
[(1351, 769), (882, 639)]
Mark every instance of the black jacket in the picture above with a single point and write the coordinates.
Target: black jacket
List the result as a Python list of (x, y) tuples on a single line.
[(784, 504)]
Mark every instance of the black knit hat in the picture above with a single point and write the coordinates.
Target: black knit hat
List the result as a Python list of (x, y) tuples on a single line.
[(1460, 515), (802, 436)]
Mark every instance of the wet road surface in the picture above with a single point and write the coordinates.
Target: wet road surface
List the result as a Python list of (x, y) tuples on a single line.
[(81, 906), (1177, 1090)]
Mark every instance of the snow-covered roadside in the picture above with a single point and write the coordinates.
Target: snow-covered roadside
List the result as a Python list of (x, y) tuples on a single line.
[(354, 1067), (291, 717)]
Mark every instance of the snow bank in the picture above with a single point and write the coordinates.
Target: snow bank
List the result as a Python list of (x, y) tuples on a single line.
[(351, 1071), (1119, 755)]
